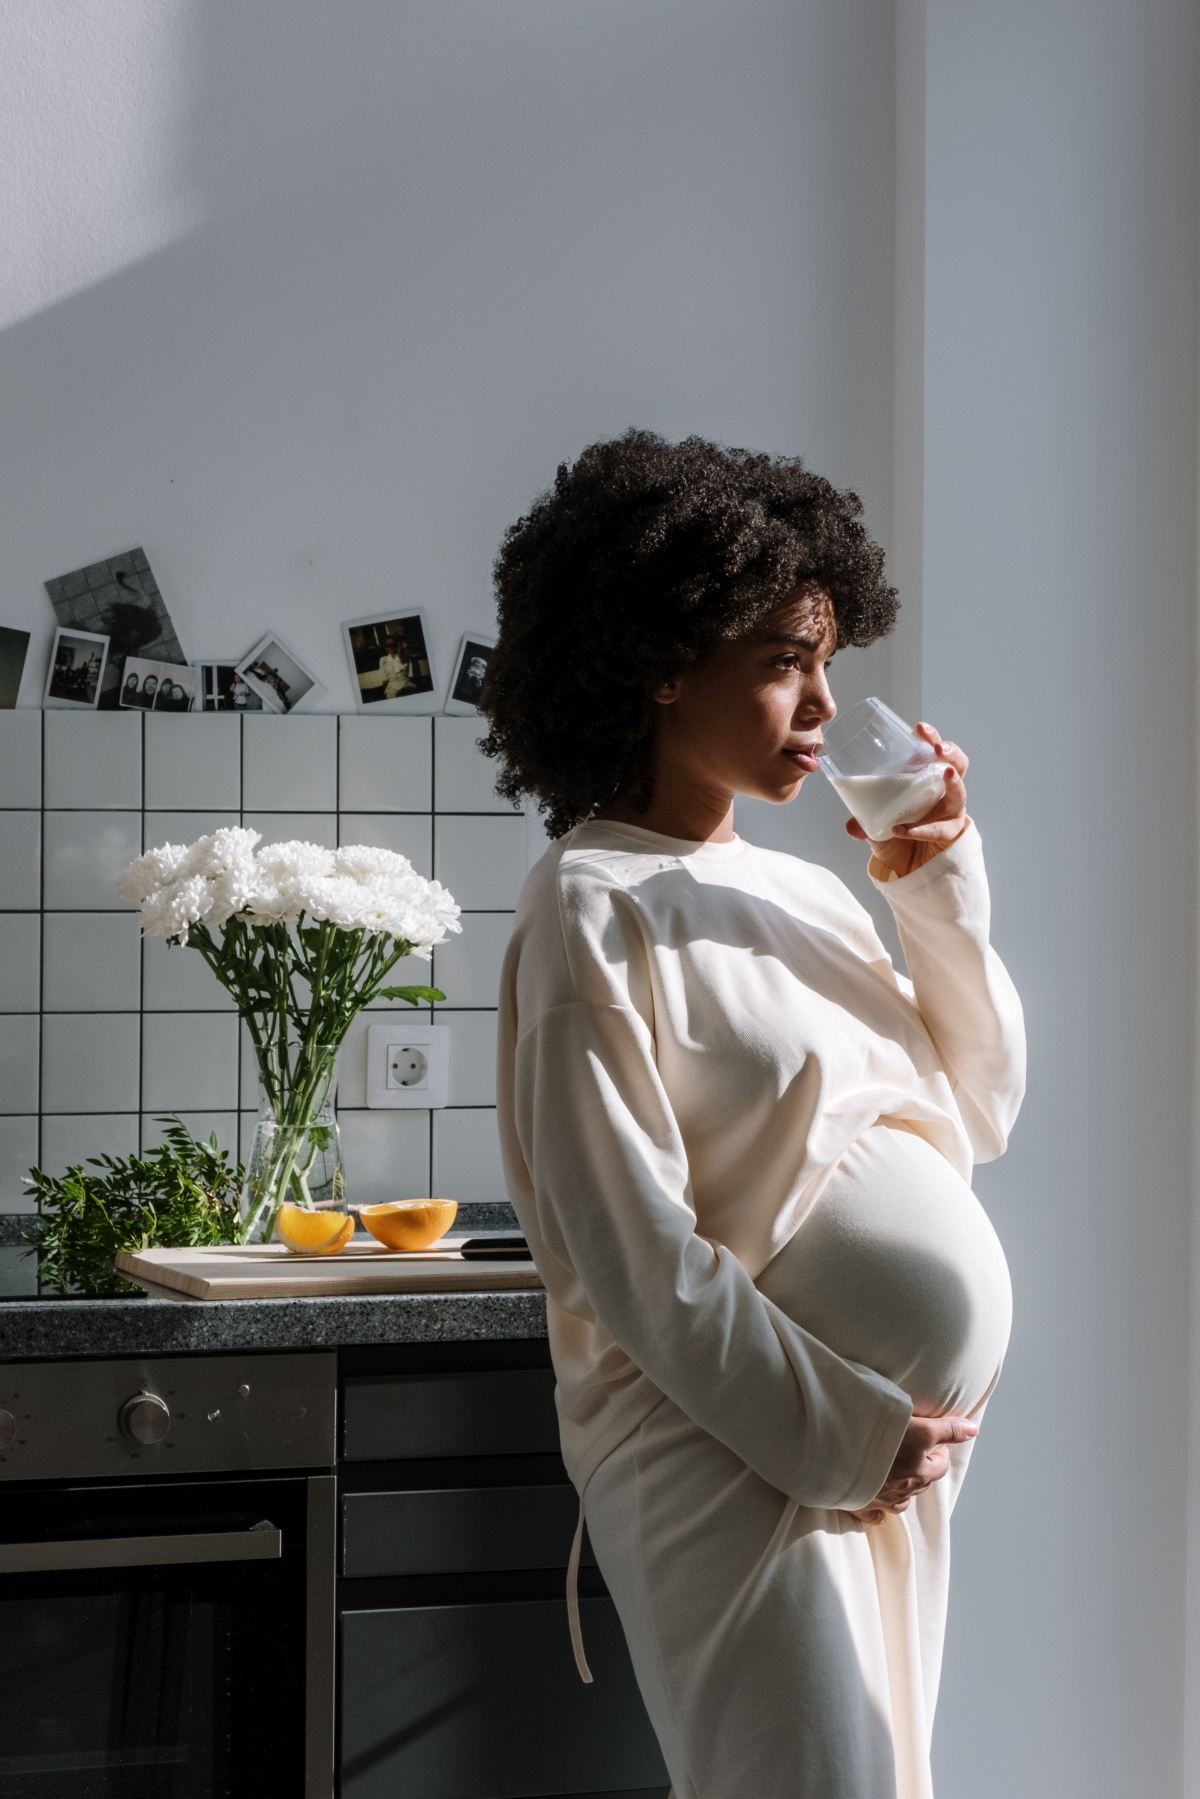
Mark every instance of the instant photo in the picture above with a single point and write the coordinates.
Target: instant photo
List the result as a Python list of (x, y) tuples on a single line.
[(13, 647), (156, 686), (77, 662), (474, 654), (390, 662), (119, 599), (277, 676), (222, 689)]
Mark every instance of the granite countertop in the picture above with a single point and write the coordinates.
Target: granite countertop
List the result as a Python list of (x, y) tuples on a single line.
[(46, 1328), (54, 1328)]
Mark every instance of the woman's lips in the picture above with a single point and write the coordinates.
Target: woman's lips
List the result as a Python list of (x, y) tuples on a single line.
[(804, 756)]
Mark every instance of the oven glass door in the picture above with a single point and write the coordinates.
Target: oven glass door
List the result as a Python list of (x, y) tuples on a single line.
[(152, 1640)]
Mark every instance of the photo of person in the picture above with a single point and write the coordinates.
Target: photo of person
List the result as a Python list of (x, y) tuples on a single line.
[(474, 654), (77, 661), (156, 686), (120, 599), (222, 689), (277, 676), (390, 661), (139, 684), (176, 689)]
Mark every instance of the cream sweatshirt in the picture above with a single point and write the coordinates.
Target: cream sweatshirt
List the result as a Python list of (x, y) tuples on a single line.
[(690, 1038)]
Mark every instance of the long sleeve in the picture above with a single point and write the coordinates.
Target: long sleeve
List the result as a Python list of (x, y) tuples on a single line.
[(600, 1162), (963, 992)]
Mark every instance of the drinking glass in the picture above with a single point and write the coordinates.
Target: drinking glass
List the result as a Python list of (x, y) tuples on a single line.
[(883, 772)]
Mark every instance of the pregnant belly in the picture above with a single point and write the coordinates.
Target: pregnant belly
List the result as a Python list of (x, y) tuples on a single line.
[(898, 1267)]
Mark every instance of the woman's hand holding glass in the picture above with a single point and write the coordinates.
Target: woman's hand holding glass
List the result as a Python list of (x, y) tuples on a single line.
[(911, 846)]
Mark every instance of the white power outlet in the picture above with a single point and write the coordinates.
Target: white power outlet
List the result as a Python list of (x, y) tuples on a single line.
[(407, 1066), (408, 1063)]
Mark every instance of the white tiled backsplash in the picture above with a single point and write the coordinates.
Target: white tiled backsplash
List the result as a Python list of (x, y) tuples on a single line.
[(100, 1032)]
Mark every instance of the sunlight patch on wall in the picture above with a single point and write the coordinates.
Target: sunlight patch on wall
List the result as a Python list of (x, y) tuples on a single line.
[(95, 103)]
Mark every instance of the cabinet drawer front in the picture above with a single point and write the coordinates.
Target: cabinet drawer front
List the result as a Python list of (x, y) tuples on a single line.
[(483, 1702), (400, 1416), (459, 1530)]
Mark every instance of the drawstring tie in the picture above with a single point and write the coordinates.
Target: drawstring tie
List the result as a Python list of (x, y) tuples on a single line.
[(585, 1673)]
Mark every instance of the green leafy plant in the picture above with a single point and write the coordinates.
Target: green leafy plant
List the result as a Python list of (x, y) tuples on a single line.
[(183, 1194)]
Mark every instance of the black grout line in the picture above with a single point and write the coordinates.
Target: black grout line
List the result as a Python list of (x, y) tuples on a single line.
[(241, 821), (337, 842), (433, 796), (142, 961), (433, 864), (41, 930), (461, 1106)]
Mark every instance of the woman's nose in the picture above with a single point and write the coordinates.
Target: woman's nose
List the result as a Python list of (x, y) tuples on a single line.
[(820, 702)]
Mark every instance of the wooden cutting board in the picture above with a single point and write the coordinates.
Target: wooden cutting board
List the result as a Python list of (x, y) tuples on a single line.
[(271, 1271)]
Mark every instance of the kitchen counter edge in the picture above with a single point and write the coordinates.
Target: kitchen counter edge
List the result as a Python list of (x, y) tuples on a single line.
[(50, 1329)]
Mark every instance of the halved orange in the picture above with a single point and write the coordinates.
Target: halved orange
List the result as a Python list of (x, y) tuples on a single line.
[(409, 1223), (313, 1233)]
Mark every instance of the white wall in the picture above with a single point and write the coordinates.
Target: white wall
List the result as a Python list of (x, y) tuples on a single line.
[(320, 323), (1059, 607)]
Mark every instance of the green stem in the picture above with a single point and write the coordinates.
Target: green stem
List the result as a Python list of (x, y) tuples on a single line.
[(260, 966)]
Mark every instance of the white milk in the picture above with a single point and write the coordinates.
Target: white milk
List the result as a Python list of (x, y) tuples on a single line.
[(881, 801)]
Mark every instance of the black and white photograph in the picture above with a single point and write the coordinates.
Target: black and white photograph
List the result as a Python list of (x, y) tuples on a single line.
[(13, 648), (176, 688), (77, 662), (277, 676), (391, 663), (222, 689), (157, 686), (474, 654), (119, 598)]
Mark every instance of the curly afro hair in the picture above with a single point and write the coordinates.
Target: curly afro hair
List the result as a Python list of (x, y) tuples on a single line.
[(641, 558)]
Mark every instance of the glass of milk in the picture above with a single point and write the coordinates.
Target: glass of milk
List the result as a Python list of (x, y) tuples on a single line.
[(882, 770)]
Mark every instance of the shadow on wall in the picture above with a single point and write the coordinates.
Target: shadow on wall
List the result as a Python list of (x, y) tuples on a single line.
[(440, 247)]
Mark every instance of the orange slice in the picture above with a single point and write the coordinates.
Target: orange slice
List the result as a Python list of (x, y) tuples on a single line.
[(409, 1223), (313, 1233)]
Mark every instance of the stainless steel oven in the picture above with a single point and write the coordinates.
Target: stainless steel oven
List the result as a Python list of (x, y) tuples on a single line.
[(167, 1531)]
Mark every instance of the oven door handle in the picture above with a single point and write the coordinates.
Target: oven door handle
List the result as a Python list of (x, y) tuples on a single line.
[(262, 1542)]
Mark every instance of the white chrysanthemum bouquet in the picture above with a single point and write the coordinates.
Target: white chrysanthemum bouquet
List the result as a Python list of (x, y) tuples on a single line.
[(303, 938)]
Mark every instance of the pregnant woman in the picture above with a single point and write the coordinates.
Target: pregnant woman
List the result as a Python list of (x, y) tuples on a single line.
[(739, 1142)]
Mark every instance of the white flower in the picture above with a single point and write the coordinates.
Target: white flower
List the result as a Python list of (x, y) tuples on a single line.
[(170, 911), (156, 869), (405, 905), (229, 849), (228, 894), (363, 863), (287, 862), (220, 877), (265, 903)]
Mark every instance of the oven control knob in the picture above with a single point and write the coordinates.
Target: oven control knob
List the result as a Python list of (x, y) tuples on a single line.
[(145, 1418), (8, 1428)]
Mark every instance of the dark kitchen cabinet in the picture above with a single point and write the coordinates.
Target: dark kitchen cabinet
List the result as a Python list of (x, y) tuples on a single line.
[(487, 1411), (459, 1530), (457, 1676), (483, 1702)]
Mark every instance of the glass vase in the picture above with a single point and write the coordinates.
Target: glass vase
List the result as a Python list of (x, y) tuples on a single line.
[(296, 1155)]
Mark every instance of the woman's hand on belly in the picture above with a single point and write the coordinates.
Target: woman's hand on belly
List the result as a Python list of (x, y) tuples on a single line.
[(912, 845), (922, 1458)]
